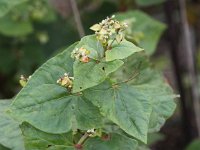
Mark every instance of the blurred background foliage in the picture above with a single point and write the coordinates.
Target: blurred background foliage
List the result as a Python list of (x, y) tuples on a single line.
[(33, 31)]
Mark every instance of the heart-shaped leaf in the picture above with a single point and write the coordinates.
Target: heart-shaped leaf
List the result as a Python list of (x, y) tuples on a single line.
[(125, 106), (150, 82), (48, 106)]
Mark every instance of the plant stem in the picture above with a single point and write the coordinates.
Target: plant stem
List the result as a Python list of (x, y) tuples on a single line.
[(83, 138)]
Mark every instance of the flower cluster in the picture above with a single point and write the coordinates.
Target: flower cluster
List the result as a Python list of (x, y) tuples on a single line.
[(66, 81), (109, 29), (23, 80), (81, 54)]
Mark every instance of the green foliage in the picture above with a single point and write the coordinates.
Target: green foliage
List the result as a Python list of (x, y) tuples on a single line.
[(117, 53), (10, 27), (145, 31), (63, 108), (132, 115), (151, 83), (103, 88), (19, 20), (98, 73), (10, 134), (36, 139), (6, 6)]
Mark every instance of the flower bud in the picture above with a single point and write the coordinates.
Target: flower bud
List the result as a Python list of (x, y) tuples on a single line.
[(81, 54), (66, 81)]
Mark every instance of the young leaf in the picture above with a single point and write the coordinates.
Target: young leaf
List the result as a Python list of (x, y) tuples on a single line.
[(121, 51), (48, 106), (10, 134), (90, 74), (124, 105), (36, 139), (116, 142)]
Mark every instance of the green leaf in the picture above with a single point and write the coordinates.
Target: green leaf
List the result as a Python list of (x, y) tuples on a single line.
[(150, 82), (123, 105), (48, 106), (10, 134), (7, 5), (93, 45), (143, 24), (149, 2), (121, 51), (90, 74), (36, 139), (159, 93), (11, 27), (116, 142)]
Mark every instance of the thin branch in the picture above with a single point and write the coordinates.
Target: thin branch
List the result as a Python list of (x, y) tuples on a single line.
[(77, 18)]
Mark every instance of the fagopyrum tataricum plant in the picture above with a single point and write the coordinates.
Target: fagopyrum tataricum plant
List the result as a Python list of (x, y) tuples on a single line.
[(99, 94)]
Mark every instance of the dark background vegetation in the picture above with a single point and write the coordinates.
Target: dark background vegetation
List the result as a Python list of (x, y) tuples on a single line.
[(33, 32)]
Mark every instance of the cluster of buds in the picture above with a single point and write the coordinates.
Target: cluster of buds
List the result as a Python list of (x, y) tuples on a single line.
[(66, 81), (23, 80), (81, 54), (91, 132), (109, 29)]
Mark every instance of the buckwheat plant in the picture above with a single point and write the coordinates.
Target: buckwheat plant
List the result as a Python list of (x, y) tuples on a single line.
[(99, 94)]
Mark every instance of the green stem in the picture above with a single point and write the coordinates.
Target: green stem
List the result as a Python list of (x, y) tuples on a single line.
[(83, 138)]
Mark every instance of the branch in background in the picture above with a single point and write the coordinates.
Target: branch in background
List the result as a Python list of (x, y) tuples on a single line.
[(77, 18), (188, 122), (190, 62)]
